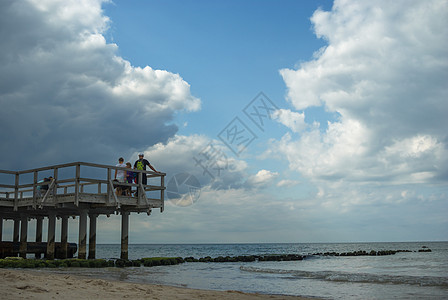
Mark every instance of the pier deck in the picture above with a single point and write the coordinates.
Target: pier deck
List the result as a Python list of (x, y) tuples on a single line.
[(77, 189)]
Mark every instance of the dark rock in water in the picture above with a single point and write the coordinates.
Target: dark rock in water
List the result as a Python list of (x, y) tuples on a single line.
[(362, 253), (425, 250), (220, 259), (136, 263), (191, 259), (121, 263), (294, 257), (247, 258), (205, 259), (162, 261)]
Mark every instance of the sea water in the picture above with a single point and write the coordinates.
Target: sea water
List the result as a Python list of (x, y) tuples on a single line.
[(405, 275)]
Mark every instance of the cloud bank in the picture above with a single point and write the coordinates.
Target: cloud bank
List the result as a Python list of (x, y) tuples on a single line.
[(66, 94), (384, 71)]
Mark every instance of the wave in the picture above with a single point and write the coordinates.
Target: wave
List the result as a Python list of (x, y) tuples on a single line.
[(354, 277)]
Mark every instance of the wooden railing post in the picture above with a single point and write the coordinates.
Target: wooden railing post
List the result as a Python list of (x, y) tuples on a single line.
[(140, 189), (162, 192), (35, 189), (78, 175), (55, 188), (109, 188), (16, 192)]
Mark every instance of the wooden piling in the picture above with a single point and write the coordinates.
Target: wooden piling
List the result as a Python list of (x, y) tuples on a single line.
[(64, 236), (124, 234), (92, 236), (82, 245), (39, 222), (23, 235), (51, 234), (1, 229), (16, 230)]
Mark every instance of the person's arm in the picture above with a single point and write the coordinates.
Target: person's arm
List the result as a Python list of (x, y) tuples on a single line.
[(152, 168), (115, 177)]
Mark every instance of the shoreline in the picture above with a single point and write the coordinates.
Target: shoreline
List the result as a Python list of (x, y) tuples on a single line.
[(30, 284)]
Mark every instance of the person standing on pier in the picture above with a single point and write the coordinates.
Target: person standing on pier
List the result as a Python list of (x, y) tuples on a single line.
[(130, 175), (43, 188), (141, 164), (120, 175)]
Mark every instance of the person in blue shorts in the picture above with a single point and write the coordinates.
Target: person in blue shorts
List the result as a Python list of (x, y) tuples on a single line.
[(141, 164), (130, 176)]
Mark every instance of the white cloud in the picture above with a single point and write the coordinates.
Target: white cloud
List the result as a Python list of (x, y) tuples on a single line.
[(412, 147), (287, 183), (384, 72), (168, 90), (293, 120), (262, 178), (66, 94)]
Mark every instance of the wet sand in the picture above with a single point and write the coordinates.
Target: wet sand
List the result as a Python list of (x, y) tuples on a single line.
[(30, 284)]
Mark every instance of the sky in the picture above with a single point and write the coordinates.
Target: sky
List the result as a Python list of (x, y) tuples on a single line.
[(275, 121)]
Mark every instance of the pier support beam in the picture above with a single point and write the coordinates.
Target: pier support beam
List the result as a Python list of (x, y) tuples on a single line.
[(51, 234), (1, 229), (16, 230), (39, 222), (23, 235), (92, 236), (124, 234), (64, 236), (82, 245)]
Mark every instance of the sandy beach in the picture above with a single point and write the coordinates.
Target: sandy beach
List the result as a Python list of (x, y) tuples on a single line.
[(29, 284)]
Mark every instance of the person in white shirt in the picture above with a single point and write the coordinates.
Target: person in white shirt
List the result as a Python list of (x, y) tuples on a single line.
[(120, 175)]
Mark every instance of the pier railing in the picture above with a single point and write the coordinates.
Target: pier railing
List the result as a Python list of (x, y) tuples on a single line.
[(78, 183)]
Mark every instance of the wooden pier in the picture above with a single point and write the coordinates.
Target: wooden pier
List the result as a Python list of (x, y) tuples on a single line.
[(83, 190)]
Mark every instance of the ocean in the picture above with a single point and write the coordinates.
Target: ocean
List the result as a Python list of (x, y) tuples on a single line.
[(404, 275)]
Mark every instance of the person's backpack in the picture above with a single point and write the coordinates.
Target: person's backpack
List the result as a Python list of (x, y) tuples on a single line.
[(140, 165)]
